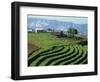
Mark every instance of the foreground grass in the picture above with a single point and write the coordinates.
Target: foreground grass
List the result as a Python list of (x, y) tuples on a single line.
[(67, 50), (45, 40), (76, 54)]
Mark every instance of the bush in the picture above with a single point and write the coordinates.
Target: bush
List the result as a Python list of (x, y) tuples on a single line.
[(59, 34), (55, 33), (41, 31), (72, 31), (83, 42)]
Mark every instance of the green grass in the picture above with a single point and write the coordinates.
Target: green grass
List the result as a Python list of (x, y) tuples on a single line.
[(48, 56), (55, 51), (43, 40), (72, 52)]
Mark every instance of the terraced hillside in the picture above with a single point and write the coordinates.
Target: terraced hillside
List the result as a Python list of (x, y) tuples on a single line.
[(58, 55)]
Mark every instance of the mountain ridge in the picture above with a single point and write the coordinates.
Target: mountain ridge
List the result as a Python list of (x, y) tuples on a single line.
[(55, 24)]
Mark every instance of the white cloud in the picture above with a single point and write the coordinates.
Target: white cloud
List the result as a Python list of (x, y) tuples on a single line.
[(41, 24)]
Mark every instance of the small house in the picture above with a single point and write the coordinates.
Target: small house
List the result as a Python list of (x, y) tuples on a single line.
[(30, 29), (39, 29)]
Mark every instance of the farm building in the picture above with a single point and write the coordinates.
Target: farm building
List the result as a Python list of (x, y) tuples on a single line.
[(39, 29)]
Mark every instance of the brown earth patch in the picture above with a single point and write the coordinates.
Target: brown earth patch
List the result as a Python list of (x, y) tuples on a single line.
[(31, 47)]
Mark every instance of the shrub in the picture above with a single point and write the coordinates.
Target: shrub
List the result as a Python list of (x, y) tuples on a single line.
[(55, 33), (83, 42), (71, 32), (41, 31)]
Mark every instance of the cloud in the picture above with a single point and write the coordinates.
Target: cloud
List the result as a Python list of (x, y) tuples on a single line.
[(41, 24)]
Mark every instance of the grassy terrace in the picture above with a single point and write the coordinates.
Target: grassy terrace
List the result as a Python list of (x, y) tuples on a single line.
[(43, 40), (45, 49)]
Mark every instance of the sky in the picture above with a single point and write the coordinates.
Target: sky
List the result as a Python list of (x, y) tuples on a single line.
[(74, 19)]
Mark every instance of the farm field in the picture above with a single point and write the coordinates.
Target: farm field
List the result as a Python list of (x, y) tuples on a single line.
[(45, 49)]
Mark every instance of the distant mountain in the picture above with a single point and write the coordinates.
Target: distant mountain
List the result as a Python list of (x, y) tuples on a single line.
[(56, 25)]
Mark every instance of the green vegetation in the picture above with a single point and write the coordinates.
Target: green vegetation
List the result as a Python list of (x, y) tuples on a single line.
[(44, 40), (72, 31), (47, 48)]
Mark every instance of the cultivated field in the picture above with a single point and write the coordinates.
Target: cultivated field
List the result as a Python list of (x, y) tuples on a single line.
[(45, 49)]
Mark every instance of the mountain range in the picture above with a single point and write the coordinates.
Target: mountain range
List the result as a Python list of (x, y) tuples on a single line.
[(55, 24)]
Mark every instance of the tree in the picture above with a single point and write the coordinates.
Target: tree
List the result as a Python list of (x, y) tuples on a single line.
[(72, 31), (61, 34), (49, 29)]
